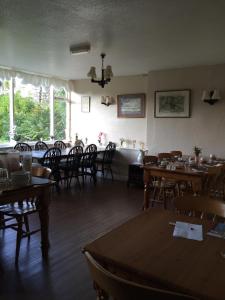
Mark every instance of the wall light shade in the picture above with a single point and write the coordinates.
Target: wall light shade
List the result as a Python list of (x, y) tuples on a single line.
[(80, 49), (107, 100), (211, 97)]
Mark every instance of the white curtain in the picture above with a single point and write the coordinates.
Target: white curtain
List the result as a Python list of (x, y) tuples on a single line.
[(34, 79)]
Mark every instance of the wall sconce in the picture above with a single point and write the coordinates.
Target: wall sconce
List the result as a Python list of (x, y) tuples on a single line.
[(107, 100), (211, 97)]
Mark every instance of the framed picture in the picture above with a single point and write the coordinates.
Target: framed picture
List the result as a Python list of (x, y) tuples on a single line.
[(131, 106), (85, 104), (172, 104)]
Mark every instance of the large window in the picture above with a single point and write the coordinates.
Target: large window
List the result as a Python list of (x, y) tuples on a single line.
[(4, 111), (60, 103), (31, 112), (34, 112)]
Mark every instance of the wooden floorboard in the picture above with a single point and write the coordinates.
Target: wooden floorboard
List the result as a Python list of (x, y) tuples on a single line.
[(76, 218)]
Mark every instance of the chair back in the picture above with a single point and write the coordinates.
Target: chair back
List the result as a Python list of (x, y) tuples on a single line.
[(111, 146), (40, 171), (52, 158), (150, 159), (204, 206), (79, 143), (109, 153), (60, 145), (122, 289), (177, 153), (165, 155), (88, 160), (22, 147), (91, 148), (212, 181), (40, 146), (76, 149)]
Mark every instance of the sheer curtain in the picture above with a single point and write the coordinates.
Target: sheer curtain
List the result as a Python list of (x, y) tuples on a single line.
[(34, 79)]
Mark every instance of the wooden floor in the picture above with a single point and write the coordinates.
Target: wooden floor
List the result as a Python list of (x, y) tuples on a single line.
[(76, 218)]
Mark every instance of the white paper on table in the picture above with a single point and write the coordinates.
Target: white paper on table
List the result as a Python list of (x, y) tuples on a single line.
[(188, 231)]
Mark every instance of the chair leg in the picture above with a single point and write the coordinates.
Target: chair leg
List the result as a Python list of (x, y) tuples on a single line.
[(18, 237), (26, 222), (2, 221)]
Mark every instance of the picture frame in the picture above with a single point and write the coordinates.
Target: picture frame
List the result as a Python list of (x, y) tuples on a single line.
[(131, 106), (172, 104), (85, 104)]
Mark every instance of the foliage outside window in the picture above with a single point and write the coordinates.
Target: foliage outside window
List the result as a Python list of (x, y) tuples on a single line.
[(31, 113), (31, 116), (4, 111), (60, 102)]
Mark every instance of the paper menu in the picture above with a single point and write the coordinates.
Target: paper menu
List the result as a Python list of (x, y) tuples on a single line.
[(188, 231)]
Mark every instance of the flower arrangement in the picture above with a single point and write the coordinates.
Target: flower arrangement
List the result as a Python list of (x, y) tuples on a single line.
[(121, 141), (100, 136), (197, 150)]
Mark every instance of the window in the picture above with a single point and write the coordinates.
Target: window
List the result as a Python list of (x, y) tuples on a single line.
[(4, 111), (31, 112), (60, 114)]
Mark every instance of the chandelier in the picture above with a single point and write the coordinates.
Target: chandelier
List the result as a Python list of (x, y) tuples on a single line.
[(107, 74)]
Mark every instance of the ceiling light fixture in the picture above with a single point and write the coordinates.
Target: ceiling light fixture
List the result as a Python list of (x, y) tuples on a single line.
[(80, 49), (107, 74)]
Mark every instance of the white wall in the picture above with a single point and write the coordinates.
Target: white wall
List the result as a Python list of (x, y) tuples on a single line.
[(102, 118), (206, 126)]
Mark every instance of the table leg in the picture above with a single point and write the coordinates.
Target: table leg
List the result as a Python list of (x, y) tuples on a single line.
[(196, 185), (44, 220), (146, 196)]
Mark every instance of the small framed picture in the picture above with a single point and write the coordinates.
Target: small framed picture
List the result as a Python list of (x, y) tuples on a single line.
[(172, 104), (85, 104), (131, 106)]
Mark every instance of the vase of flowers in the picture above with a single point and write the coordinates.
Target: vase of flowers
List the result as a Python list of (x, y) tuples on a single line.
[(197, 152), (100, 136)]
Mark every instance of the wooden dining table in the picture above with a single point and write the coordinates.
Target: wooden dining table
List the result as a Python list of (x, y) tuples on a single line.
[(184, 174), (144, 250), (39, 154), (38, 187)]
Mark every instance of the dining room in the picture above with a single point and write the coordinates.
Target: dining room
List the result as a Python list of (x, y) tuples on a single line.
[(112, 123)]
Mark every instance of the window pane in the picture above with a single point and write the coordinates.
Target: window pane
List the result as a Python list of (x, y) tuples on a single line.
[(4, 111), (31, 112), (60, 118)]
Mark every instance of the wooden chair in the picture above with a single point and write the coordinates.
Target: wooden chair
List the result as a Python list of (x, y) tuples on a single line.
[(79, 143), (51, 160), (104, 163), (165, 156), (21, 211), (22, 147), (211, 183), (91, 148), (60, 145), (164, 189), (176, 153), (71, 167), (203, 206), (40, 146), (108, 284), (88, 166)]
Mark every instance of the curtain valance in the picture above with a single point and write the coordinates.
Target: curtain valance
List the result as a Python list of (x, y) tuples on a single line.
[(34, 79)]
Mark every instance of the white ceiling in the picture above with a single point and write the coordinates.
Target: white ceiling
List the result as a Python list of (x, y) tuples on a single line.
[(137, 35)]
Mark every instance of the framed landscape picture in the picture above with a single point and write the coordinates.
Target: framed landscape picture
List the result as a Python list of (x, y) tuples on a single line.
[(172, 104), (85, 104), (131, 106)]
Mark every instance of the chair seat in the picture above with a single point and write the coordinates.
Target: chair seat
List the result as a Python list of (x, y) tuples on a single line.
[(25, 208)]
